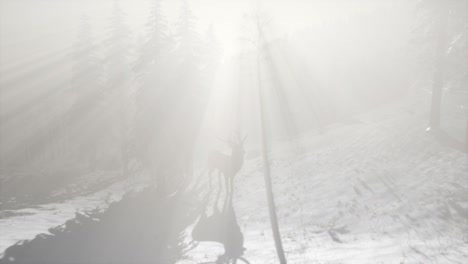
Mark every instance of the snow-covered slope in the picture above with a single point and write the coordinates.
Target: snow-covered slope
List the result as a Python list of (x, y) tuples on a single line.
[(377, 191)]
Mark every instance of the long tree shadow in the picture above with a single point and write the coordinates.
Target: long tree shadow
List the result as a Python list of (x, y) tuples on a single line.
[(143, 228)]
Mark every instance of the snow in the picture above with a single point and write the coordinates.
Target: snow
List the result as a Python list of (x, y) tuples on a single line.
[(27, 223), (381, 190)]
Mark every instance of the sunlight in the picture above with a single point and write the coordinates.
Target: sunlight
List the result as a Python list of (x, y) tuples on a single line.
[(221, 131)]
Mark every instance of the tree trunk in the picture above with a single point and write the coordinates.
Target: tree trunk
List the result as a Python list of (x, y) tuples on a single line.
[(266, 165), (438, 79), (466, 136), (123, 149)]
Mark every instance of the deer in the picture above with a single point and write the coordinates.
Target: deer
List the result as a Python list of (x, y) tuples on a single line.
[(227, 165)]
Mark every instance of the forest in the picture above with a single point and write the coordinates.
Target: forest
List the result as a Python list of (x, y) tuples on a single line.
[(203, 131)]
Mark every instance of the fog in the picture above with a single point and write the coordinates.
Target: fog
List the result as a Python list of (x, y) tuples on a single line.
[(191, 131)]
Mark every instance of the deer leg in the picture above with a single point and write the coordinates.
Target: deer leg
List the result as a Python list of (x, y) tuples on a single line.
[(210, 179), (228, 191), (219, 188), (231, 180), (226, 183)]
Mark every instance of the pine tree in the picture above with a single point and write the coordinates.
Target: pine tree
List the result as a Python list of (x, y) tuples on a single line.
[(156, 43), (83, 118), (118, 80), (152, 68), (187, 37), (191, 91)]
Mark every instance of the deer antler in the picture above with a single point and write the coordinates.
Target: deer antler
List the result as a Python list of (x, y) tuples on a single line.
[(235, 139), (244, 138), (230, 142)]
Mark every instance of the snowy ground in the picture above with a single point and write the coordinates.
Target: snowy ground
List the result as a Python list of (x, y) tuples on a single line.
[(378, 191), (24, 224)]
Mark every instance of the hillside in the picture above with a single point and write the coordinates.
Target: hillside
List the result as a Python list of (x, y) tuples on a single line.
[(380, 190), (376, 190)]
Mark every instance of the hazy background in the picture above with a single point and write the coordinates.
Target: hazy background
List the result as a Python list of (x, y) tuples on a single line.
[(358, 107), (359, 52), (95, 82)]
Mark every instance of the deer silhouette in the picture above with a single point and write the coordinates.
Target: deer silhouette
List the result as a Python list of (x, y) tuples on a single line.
[(227, 165)]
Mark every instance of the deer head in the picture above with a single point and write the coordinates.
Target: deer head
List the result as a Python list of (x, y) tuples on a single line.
[(236, 143)]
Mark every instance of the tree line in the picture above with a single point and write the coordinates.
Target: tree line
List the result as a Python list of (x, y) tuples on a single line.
[(128, 104)]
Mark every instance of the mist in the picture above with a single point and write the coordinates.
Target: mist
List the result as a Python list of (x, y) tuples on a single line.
[(203, 131)]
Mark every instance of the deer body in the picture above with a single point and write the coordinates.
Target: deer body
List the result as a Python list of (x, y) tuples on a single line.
[(227, 165)]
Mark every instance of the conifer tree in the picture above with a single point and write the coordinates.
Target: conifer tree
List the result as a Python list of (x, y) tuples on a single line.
[(84, 116), (118, 81)]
